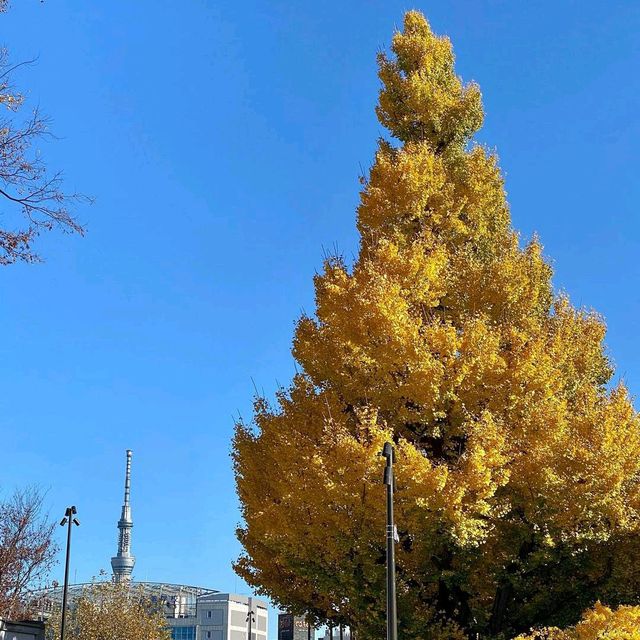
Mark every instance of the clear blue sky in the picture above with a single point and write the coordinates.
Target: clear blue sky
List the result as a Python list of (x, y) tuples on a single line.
[(222, 142)]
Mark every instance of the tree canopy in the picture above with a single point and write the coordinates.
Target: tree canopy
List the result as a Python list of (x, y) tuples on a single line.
[(517, 495)]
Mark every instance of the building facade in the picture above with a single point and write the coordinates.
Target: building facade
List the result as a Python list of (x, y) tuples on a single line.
[(21, 630), (222, 616), (292, 627)]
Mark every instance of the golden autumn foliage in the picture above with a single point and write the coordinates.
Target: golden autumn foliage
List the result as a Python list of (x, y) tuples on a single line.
[(599, 623), (517, 499), (110, 611)]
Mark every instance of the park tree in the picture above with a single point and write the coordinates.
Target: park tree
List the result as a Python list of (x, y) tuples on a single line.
[(32, 199), (517, 458), (109, 610), (27, 550)]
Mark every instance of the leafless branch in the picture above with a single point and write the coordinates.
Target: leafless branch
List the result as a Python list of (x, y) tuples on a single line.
[(26, 187), (27, 549)]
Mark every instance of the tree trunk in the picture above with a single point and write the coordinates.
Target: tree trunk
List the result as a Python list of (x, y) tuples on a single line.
[(500, 603)]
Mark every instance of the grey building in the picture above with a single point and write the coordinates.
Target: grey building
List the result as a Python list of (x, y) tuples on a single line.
[(292, 627), (21, 630)]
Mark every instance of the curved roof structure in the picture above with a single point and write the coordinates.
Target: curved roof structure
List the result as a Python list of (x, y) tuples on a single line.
[(179, 600)]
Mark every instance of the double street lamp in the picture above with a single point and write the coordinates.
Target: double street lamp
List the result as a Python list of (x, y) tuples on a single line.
[(69, 520)]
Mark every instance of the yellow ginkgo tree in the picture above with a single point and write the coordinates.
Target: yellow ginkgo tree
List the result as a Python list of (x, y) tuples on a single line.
[(517, 460)]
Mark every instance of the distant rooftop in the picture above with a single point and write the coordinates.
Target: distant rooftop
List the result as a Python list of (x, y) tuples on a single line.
[(179, 599)]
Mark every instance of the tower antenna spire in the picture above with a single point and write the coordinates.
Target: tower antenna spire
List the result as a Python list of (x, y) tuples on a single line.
[(122, 563)]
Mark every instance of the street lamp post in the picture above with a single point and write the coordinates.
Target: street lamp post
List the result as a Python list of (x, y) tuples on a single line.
[(69, 520), (250, 619), (392, 624)]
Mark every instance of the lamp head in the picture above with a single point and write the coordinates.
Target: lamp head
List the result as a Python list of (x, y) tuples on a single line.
[(69, 512)]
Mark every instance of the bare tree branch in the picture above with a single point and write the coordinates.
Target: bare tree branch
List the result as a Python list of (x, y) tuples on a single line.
[(27, 550), (25, 185)]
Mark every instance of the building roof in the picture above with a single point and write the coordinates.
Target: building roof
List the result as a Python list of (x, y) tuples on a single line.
[(180, 594)]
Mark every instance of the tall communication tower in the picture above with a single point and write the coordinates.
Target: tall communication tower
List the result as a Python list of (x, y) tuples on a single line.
[(122, 563)]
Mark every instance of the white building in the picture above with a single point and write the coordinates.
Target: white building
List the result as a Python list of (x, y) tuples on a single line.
[(221, 616)]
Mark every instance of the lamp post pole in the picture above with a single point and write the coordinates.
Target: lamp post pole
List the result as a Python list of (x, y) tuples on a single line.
[(392, 623), (69, 520), (250, 619)]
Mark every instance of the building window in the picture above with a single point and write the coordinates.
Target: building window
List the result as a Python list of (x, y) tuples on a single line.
[(208, 634), (208, 616), (183, 633)]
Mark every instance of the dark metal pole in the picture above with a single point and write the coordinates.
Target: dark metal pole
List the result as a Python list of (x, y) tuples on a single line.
[(249, 619), (392, 623), (70, 521)]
